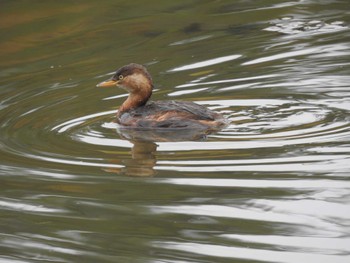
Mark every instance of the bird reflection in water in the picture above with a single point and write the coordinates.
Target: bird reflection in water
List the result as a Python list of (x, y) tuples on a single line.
[(143, 153)]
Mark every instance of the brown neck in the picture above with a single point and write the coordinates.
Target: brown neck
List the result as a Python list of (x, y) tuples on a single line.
[(133, 101)]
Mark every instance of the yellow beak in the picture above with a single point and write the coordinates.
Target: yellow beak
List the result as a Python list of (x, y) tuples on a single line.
[(107, 83)]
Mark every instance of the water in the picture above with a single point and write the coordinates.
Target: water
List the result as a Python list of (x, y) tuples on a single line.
[(271, 187)]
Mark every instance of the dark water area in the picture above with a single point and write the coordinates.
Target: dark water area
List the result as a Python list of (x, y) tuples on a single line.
[(273, 186)]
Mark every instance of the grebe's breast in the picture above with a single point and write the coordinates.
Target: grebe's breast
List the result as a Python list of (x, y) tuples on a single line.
[(172, 114)]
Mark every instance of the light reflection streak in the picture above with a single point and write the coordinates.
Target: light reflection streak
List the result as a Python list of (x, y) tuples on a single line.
[(328, 243), (317, 163), (183, 92), (28, 207), (274, 161), (330, 166), (192, 84), (287, 212), (17, 171), (190, 40), (306, 51), (9, 260), (40, 246), (247, 213), (91, 163), (317, 184), (263, 255), (206, 63)]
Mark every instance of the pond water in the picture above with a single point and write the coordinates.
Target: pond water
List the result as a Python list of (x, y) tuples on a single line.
[(273, 186)]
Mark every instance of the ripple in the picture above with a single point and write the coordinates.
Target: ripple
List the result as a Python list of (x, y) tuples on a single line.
[(254, 124), (292, 26), (324, 50)]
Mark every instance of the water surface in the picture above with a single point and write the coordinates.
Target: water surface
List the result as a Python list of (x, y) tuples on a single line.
[(273, 186)]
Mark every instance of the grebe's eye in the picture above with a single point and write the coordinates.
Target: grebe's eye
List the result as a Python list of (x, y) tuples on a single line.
[(121, 77)]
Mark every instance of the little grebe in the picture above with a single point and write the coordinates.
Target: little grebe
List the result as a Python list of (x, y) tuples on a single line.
[(137, 112)]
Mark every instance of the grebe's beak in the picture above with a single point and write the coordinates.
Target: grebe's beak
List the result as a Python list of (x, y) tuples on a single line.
[(107, 83)]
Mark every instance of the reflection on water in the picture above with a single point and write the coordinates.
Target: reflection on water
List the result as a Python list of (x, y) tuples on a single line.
[(272, 186), (288, 25), (249, 253), (142, 160)]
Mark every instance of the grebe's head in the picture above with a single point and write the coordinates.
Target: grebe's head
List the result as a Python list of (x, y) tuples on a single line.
[(133, 77)]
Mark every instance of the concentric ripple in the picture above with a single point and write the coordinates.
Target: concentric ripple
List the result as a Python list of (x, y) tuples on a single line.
[(267, 124)]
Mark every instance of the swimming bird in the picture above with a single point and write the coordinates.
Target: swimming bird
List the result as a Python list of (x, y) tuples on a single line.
[(138, 112)]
